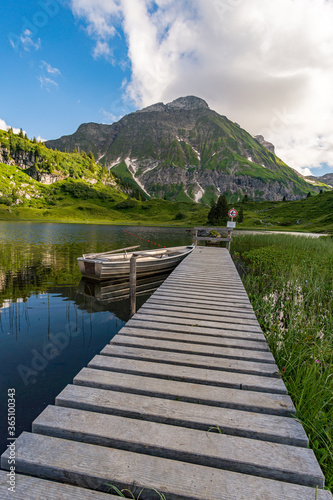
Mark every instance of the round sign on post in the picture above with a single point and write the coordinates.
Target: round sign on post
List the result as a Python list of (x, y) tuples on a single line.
[(232, 213)]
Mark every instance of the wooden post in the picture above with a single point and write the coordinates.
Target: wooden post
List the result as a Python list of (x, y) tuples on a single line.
[(195, 239), (132, 285), (229, 242)]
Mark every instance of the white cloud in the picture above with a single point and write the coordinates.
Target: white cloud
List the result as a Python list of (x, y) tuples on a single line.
[(102, 49), (267, 65), (46, 82), (111, 117), (4, 126), (49, 69), (27, 41)]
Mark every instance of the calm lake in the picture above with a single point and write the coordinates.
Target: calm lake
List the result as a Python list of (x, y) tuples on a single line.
[(51, 321)]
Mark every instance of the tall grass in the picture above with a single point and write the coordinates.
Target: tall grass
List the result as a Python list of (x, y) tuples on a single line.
[(289, 280)]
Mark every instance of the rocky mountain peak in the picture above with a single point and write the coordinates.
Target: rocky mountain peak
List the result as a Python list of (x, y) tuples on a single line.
[(187, 103)]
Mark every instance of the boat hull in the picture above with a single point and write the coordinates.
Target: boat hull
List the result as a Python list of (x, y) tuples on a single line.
[(103, 269)]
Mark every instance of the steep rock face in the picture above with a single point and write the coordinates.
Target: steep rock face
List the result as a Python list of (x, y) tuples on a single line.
[(26, 161), (266, 144), (184, 149)]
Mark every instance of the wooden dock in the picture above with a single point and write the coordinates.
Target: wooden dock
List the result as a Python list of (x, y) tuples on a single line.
[(186, 399)]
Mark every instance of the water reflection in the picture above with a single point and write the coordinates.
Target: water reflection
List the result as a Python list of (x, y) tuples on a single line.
[(51, 323)]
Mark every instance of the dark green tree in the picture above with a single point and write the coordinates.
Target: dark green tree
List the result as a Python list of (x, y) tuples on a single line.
[(284, 198), (218, 213), (308, 195), (91, 156), (20, 134), (245, 199)]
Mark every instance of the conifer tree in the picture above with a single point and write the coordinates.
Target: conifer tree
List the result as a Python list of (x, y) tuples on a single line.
[(218, 213)]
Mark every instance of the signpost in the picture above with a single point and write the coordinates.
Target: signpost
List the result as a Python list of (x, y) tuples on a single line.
[(232, 213), (231, 224)]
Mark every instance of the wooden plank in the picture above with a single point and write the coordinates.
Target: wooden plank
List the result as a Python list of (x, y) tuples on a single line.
[(198, 323), (238, 454), (33, 488), (202, 279), (230, 318), (209, 275), (232, 295), (202, 340), (201, 417), (251, 401), (206, 376), (230, 311), (190, 348), (95, 466), (205, 303), (221, 293), (197, 330), (206, 284), (203, 298), (208, 362)]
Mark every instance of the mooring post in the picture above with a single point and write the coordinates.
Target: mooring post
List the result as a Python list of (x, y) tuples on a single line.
[(229, 240), (133, 285)]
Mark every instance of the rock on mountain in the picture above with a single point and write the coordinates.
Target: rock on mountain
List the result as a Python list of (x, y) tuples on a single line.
[(184, 150), (326, 179), (266, 144)]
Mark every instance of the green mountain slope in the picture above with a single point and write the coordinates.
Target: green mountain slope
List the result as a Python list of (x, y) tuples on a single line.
[(312, 214), (73, 200), (186, 149)]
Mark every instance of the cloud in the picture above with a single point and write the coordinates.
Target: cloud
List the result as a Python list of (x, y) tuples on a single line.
[(25, 40), (48, 68), (4, 126), (266, 65), (46, 82), (102, 49), (111, 117)]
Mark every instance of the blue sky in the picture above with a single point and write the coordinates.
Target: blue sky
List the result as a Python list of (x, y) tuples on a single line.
[(51, 83), (266, 65)]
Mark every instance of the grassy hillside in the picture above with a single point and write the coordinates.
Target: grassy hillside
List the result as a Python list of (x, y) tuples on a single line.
[(313, 214), (23, 198), (76, 165), (72, 200)]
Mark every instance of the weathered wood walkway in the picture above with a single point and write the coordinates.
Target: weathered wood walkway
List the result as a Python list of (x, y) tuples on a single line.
[(186, 400)]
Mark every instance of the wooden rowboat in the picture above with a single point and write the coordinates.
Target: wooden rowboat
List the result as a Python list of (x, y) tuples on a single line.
[(116, 263)]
